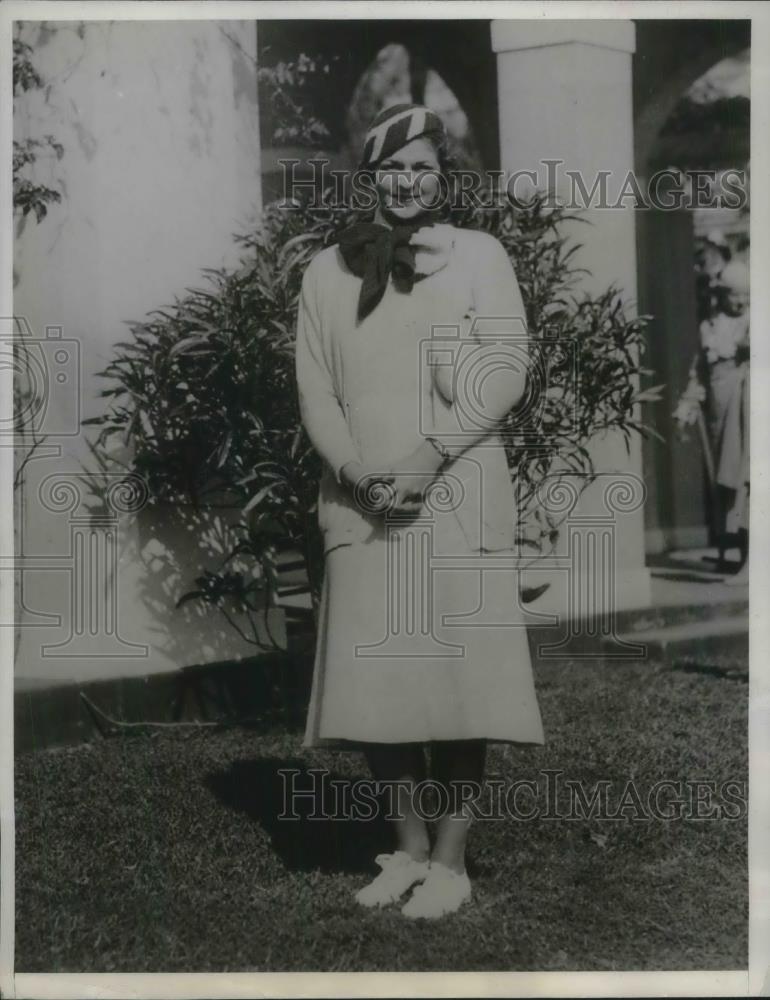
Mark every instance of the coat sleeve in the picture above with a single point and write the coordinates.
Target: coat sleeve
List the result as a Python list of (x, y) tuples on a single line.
[(495, 371), (320, 409)]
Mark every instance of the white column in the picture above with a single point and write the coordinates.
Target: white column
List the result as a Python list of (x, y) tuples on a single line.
[(565, 94), (161, 166)]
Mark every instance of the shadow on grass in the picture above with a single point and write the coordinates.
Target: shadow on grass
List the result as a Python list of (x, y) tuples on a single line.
[(258, 789), (724, 671)]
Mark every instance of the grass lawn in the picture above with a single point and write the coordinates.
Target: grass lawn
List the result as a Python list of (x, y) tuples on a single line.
[(164, 853)]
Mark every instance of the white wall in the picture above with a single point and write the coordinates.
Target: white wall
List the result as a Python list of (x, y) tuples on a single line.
[(159, 124)]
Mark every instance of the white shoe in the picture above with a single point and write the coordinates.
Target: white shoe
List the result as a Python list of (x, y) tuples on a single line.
[(443, 891), (399, 872)]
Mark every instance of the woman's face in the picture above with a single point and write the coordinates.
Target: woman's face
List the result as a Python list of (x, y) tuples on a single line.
[(408, 182), (737, 301)]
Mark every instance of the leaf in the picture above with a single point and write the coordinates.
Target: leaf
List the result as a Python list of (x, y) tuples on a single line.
[(258, 497), (651, 395), (188, 345)]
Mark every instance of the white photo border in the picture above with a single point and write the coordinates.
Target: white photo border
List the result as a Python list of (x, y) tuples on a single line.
[(756, 980)]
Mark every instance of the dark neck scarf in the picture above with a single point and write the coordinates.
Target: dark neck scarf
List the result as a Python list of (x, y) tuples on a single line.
[(374, 252)]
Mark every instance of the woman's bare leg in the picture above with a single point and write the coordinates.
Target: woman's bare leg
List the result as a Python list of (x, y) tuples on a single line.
[(403, 762), (452, 763)]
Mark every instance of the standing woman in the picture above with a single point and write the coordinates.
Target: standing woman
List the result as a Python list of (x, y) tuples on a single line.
[(725, 345), (421, 644), (733, 453)]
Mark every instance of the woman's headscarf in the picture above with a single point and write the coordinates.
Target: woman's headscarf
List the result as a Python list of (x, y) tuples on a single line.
[(394, 127)]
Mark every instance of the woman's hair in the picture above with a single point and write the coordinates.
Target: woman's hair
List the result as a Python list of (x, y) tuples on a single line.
[(449, 166), (442, 146)]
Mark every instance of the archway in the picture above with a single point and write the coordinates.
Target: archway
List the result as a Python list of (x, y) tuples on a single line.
[(670, 57)]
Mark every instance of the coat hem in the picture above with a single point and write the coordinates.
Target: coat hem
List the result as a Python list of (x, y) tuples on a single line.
[(351, 744)]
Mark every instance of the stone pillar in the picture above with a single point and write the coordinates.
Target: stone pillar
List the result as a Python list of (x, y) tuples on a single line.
[(161, 167), (565, 94)]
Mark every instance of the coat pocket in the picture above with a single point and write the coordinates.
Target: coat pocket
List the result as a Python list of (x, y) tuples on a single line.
[(339, 519)]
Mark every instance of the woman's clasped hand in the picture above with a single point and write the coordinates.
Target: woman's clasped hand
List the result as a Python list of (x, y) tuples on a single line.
[(400, 489)]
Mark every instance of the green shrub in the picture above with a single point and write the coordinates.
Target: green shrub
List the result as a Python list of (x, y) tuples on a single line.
[(204, 396)]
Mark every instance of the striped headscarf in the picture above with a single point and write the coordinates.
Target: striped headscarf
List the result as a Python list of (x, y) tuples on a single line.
[(394, 127)]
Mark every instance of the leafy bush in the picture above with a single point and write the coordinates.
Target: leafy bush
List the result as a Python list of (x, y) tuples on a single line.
[(204, 393), (30, 195), (290, 91)]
